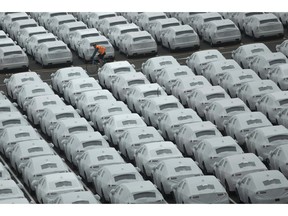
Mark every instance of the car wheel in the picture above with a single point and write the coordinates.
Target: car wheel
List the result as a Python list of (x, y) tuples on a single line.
[(276, 121), (42, 63), (149, 121), (253, 35), (162, 188), (247, 103), (278, 84), (184, 150), (127, 155), (211, 42), (166, 134), (228, 92), (41, 201), (204, 168), (144, 172), (134, 108), (169, 47), (126, 52), (227, 186), (241, 64), (85, 177), (256, 153), (102, 195), (237, 193)]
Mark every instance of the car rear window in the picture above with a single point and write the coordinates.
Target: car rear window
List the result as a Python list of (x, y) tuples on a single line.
[(152, 93), (253, 13), (182, 168), (92, 143), (268, 21), (283, 102), (163, 151), (102, 43), (246, 164), (211, 57), (37, 33), (182, 118), (46, 103), (144, 195), (19, 135), (122, 69), (254, 121), (235, 109), (168, 106), (34, 91), (57, 48), (13, 53), (213, 96), (7, 44), (105, 157), (5, 191), (226, 149), (57, 14), (124, 177), (78, 128), (170, 25), (226, 26), (118, 23), (164, 63), (65, 115), (63, 184), (28, 25), (101, 97), (27, 79), (67, 21), (12, 121), (242, 77), (129, 30), (205, 133), (277, 61), (141, 38), (74, 74), (205, 187), (278, 138), (136, 82), (5, 109), (2, 36), (264, 88), (46, 40), (48, 165), (212, 19), (145, 136), (257, 50), (77, 28), (184, 32), (115, 109), (180, 73), (35, 149), (86, 85), (228, 67), (129, 122), (81, 202), (196, 83), (106, 16), (19, 18), (156, 17), (272, 181), (90, 35)]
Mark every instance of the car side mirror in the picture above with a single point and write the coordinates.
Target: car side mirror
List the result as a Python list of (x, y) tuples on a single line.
[(97, 197), (112, 191)]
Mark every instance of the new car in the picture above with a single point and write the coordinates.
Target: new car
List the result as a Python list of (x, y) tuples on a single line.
[(94, 18), (278, 159), (24, 34), (6, 106), (279, 74), (16, 26), (78, 35), (239, 18), (105, 24), (8, 19), (283, 48), (143, 19), (80, 197), (44, 17), (4, 174), (12, 119), (13, 57), (55, 22), (282, 117), (65, 31), (10, 191)]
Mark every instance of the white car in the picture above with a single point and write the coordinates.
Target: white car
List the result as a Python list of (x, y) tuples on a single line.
[(85, 47), (239, 18), (272, 103), (105, 24), (4, 174), (27, 92), (278, 159), (106, 73), (168, 173), (211, 150), (3, 15), (171, 121), (200, 98), (279, 74), (213, 71), (131, 16), (189, 135), (80, 142), (221, 110), (3, 98), (12, 135), (185, 17), (239, 125), (6, 106), (63, 129), (143, 19), (282, 117), (151, 67), (220, 32), (137, 43), (121, 83), (263, 25), (86, 102), (138, 192), (73, 89), (283, 48), (76, 36), (199, 20), (55, 52), (44, 17), (183, 87), (180, 37), (263, 187), (80, 197), (8, 19), (115, 125), (16, 26), (10, 191), (24, 34), (132, 139), (261, 64), (16, 81), (282, 16), (232, 168), (264, 140), (51, 115), (34, 41), (12, 119), (38, 167), (6, 42), (200, 190), (233, 80), (149, 155), (65, 31), (52, 185), (102, 111), (153, 108), (92, 160), (110, 176), (37, 105), (64, 75), (55, 22), (245, 53), (199, 59), (117, 32), (94, 18), (167, 76), (13, 57), (25, 150), (3, 35), (251, 92)]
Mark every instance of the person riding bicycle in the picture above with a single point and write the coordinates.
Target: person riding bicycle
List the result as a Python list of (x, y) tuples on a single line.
[(102, 52)]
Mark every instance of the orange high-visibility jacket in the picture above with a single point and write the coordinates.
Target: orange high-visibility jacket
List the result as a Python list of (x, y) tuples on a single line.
[(101, 49)]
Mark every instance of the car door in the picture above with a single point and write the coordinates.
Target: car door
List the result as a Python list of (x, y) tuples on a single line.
[(241, 189)]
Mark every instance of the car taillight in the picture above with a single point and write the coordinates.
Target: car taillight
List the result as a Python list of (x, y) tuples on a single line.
[(220, 194), (195, 197), (261, 192), (236, 174)]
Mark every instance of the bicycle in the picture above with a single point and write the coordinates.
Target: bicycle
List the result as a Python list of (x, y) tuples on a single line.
[(97, 62)]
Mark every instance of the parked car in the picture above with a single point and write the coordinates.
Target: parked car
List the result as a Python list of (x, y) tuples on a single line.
[(185, 17), (200, 190), (239, 125), (245, 53), (282, 16), (105, 24), (233, 80), (51, 115), (264, 140), (80, 142), (143, 19), (7, 42), (8, 19), (11, 191), (52, 185), (78, 35), (179, 37), (189, 135), (44, 17), (24, 34), (168, 173), (12, 119), (263, 25), (6, 106), (16, 26), (261, 64), (13, 57), (149, 155), (283, 48), (110, 176), (200, 98), (232, 168), (55, 22), (263, 187), (131, 16), (278, 159), (81, 197), (220, 31), (93, 160), (220, 111), (64, 31), (151, 67), (3, 98), (279, 74), (94, 18), (251, 92), (212, 150), (199, 59), (239, 18), (3, 35), (171, 121), (2, 16), (4, 174)]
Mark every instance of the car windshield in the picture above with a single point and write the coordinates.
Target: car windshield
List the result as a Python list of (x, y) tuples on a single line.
[(182, 168), (106, 16), (226, 27), (77, 28), (228, 67), (196, 83), (254, 121), (145, 136), (48, 165), (205, 187), (129, 30), (170, 25), (136, 82), (253, 13), (86, 85), (12, 121), (46, 40), (90, 35), (180, 73), (141, 38), (77, 129), (19, 135), (7, 44), (212, 19), (152, 93), (57, 14), (211, 57), (35, 149), (13, 53), (264, 88), (36, 33), (164, 63), (122, 69), (235, 109), (184, 32), (74, 74), (243, 77), (46, 103), (157, 17), (5, 109), (205, 133), (5, 191), (105, 157), (35, 91), (117, 23), (27, 79), (277, 61), (124, 177), (168, 106), (257, 50), (182, 118), (226, 149), (28, 25), (268, 21), (56, 48), (163, 151), (129, 122), (3, 36), (115, 109), (63, 184), (101, 97), (144, 195), (92, 143), (216, 95), (246, 164), (276, 138), (64, 115), (272, 181)]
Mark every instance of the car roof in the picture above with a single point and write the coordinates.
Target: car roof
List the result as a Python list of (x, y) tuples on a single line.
[(207, 90), (96, 92), (152, 14), (216, 142), (147, 87), (60, 176), (201, 54), (22, 128), (52, 44), (234, 160), (222, 22), (196, 78), (10, 115), (63, 17), (71, 70), (118, 64), (81, 80), (125, 116), (18, 14), (271, 56), (166, 21), (279, 95), (283, 67), (272, 130), (39, 161), (87, 31), (225, 62), (60, 109), (34, 29), (95, 152), (86, 136), (257, 84), (9, 184), (126, 26), (74, 24), (34, 85), (43, 36), (138, 34), (162, 58), (24, 22), (229, 102), (116, 169), (42, 98), (72, 197), (135, 132), (253, 46), (131, 76), (177, 68), (114, 19), (96, 39), (5, 40), (173, 163), (163, 100), (11, 48), (238, 72), (175, 114), (138, 186), (70, 122), (110, 103), (265, 16), (156, 145), (28, 144), (181, 28), (199, 126), (207, 15), (249, 115)]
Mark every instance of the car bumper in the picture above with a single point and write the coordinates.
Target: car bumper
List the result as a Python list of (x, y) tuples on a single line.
[(259, 34), (146, 50), (185, 45), (58, 61), (219, 40), (14, 65)]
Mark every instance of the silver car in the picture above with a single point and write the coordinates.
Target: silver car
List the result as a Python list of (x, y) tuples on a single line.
[(64, 31), (143, 19), (8, 19), (24, 34), (282, 117), (76, 36), (11, 191), (278, 159), (16, 26), (94, 18), (7, 42), (279, 74), (105, 24), (44, 17), (13, 57), (283, 47), (12, 119), (239, 18), (55, 22), (6, 106), (185, 17)]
